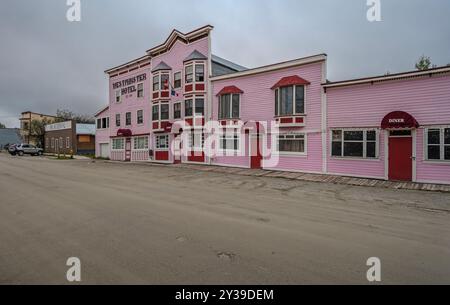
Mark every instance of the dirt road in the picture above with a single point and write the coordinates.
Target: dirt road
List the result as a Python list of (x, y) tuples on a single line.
[(149, 224)]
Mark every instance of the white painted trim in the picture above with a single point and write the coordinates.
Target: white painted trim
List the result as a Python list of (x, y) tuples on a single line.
[(130, 63), (324, 127), (274, 67), (414, 155), (386, 154)]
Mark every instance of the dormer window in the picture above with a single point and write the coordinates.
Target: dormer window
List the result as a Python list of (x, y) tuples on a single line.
[(290, 96), (194, 72), (161, 83)]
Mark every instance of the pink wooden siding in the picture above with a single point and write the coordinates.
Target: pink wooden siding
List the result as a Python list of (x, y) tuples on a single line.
[(257, 103), (425, 98)]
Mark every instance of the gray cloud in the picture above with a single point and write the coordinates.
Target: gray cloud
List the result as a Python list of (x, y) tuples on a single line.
[(48, 63)]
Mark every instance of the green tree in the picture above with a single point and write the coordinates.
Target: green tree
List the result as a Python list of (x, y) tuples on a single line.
[(2, 126), (424, 63), (37, 129), (66, 115)]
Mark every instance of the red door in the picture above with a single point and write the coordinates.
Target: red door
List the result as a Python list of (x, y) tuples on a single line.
[(400, 158), (255, 151), (128, 150)]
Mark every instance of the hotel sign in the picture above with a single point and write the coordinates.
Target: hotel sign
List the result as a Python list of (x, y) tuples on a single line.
[(128, 85)]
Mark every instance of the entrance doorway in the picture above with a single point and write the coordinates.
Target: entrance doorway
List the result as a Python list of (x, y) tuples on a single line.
[(255, 151), (400, 155), (128, 150)]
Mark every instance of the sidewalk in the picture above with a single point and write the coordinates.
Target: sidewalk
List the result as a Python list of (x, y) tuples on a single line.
[(320, 178)]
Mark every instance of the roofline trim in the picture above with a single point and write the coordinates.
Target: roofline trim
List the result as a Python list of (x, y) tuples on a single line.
[(273, 67), (101, 111), (130, 63), (396, 76)]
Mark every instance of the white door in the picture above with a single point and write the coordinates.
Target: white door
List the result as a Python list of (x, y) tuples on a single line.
[(104, 150)]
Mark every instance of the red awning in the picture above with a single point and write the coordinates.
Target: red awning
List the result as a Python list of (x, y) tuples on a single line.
[(290, 81), (124, 133), (230, 90), (399, 119)]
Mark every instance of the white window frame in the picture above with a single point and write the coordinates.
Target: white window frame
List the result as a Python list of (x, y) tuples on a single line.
[(136, 143), (181, 79), (192, 143), (291, 153), (61, 145), (193, 64), (193, 98), (52, 143), (158, 143), (67, 142), (118, 93), (441, 144), (181, 110), (364, 141), (120, 119), (137, 117), (231, 106), (131, 118), (230, 136), (294, 93), (143, 92), (121, 141)]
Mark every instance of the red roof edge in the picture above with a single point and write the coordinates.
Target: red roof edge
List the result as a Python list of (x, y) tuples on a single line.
[(290, 81), (230, 90)]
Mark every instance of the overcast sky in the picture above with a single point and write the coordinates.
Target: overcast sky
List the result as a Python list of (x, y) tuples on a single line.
[(48, 63)]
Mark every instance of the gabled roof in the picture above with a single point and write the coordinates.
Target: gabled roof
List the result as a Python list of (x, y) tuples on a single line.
[(161, 66), (177, 35), (101, 111), (293, 80), (195, 55)]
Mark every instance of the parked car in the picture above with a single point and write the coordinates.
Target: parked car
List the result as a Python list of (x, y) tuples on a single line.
[(23, 149)]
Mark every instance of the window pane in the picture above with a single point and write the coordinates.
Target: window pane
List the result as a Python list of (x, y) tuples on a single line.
[(225, 101), (337, 135), (291, 145), (434, 152), (286, 100), (447, 135), (188, 74), (434, 136), (371, 150), (118, 120), (128, 118), (177, 110), (235, 110), (371, 135), (155, 112), (177, 80), (188, 108), (165, 82), (300, 99), (199, 73), (447, 152), (99, 123), (164, 111), (199, 106), (336, 149), (155, 83), (353, 149), (353, 135)]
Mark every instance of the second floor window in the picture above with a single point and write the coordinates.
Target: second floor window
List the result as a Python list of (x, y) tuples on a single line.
[(155, 112), (229, 106), (189, 74), (118, 96), (118, 120), (199, 73), (177, 110), (290, 100), (177, 80), (164, 111), (164, 81), (140, 117), (140, 90), (156, 83), (128, 118), (188, 107)]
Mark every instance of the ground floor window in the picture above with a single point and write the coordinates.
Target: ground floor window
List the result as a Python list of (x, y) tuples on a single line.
[(291, 143), (162, 142), (437, 143), (141, 143), (53, 143), (67, 142), (354, 143), (118, 144), (229, 141), (196, 140)]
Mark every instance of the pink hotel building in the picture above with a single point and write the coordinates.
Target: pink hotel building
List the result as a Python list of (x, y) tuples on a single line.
[(286, 116)]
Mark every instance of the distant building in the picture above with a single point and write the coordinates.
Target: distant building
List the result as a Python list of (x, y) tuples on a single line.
[(9, 136), (70, 138), (25, 125)]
